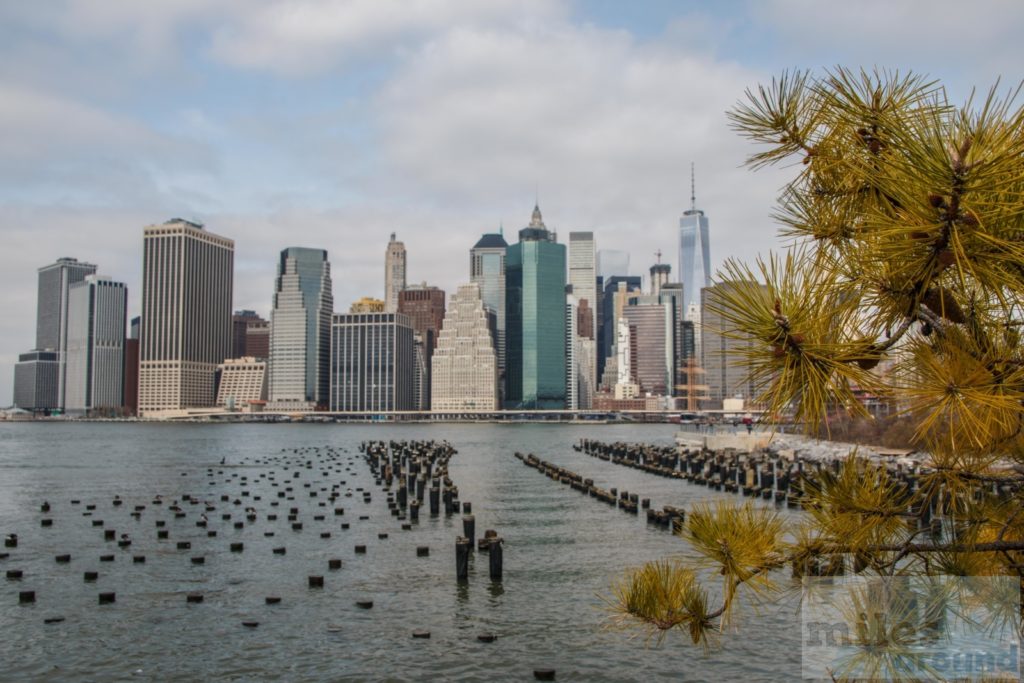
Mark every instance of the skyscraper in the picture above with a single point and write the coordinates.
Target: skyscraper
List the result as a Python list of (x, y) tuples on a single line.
[(571, 366), (694, 256), (55, 281), (487, 271), (94, 373), (187, 278), (535, 282), (465, 372), (652, 352), (394, 274), (425, 307), (250, 336), (131, 367), (583, 270), (371, 362), (300, 330), (725, 374), (614, 298), (583, 279), (35, 381), (586, 357)]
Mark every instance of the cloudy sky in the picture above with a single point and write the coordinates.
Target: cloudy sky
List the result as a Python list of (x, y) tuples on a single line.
[(331, 123)]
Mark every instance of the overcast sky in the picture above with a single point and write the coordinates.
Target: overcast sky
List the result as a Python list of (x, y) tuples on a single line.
[(333, 123)]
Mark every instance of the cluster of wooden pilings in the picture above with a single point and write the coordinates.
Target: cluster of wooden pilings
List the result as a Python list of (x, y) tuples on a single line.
[(421, 471), (668, 517), (771, 475), (297, 491), (762, 474)]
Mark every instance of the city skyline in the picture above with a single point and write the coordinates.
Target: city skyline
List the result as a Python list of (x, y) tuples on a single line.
[(359, 123)]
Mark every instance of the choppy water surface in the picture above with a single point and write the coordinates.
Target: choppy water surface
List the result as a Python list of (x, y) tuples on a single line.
[(562, 552)]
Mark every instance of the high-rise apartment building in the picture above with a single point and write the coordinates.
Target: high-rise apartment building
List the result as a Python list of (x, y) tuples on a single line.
[(487, 271), (425, 307), (94, 372), (371, 362), (535, 282), (187, 278), (300, 330), (724, 372), (465, 371), (55, 281), (394, 274)]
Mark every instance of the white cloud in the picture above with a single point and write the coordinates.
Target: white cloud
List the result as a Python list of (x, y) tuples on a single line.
[(948, 39), (304, 36), (50, 141)]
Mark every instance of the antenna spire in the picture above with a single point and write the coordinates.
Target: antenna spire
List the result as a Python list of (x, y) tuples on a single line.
[(693, 190)]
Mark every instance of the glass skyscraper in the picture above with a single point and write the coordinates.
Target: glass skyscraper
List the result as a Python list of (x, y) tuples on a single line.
[(487, 271), (300, 329), (694, 260), (535, 282)]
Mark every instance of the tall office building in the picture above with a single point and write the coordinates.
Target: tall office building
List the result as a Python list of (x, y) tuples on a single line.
[(724, 372), (187, 278), (571, 366), (55, 281), (583, 279), (420, 397), (371, 362), (131, 367), (583, 270), (586, 357), (425, 307), (616, 289), (94, 373), (535, 282), (694, 258), (465, 373), (300, 330), (394, 274), (652, 343), (35, 381), (487, 271), (250, 335)]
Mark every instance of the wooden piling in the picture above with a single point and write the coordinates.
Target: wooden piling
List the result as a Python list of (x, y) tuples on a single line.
[(462, 547)]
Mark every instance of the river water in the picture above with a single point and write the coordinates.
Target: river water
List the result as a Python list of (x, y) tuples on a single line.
[(563, 551)]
